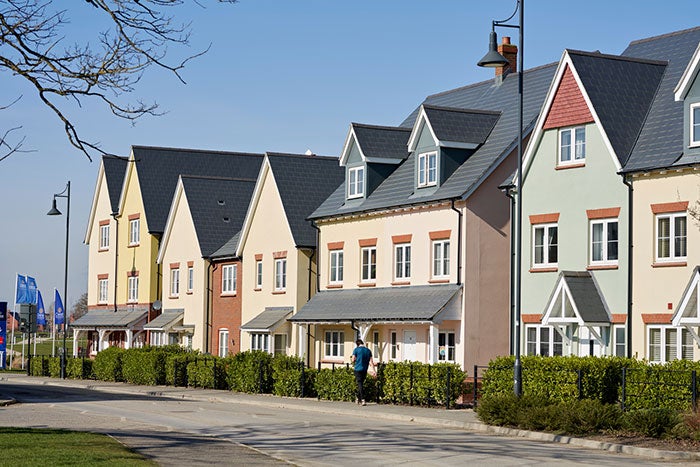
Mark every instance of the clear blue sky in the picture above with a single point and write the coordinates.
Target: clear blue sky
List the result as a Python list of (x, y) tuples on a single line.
[(282, 76)]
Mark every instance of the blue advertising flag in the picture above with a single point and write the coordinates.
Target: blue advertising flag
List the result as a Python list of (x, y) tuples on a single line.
[(59, 315), (22, 295), (31, 290), (3, 333), (40, 311)]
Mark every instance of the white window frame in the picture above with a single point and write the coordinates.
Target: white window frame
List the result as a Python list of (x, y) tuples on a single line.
[(223, 342), (104, 237), (368, 270), (335, 266), (282, 337), (672, 253), (450, 350), (229, 277), (280, 274), (546, 263), (190, 278), (175, 282), (334, 344), (375, 346), (554, 338), (402, 261), (605, 253), (427, 175), (133, 289), (393, 345), (258, 274), (356, 182), (103, 287), (576, 156), (619, 345), (260, 341), (664, 343), (693, 123), (134, 231), (441, 258)]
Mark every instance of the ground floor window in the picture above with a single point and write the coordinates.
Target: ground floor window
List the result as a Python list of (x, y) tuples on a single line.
[(446, 346), (187, 341), (543, 340), (375, 346), (667, 343), (158, 338), (260, 341), (223, 342), (335, 344), (394, 349), (620, 340), (281, 344)]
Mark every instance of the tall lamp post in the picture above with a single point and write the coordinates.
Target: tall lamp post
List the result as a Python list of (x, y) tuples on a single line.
[(55, 212), (493, 59)]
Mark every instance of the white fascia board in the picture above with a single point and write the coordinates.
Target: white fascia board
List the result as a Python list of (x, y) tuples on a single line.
[(264, 168), (93, 210), (678, 318), (415, 132), (346, 147), (691, 71), (381, 160), (179, 191), (130, 167), (562, 288), (457, 145)]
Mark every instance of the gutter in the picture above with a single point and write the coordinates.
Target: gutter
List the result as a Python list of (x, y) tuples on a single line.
[(208, 307), (318, 257), (509, 193), (630, 246), (459, 243)]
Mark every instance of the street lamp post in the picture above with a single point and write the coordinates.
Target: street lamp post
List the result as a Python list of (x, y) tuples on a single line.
[(494, 59), (55, 212)]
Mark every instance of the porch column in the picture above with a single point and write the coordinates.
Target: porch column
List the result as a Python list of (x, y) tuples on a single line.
[(136, 335), (364, 330), (129, 338), (433, 344), (76, 333), (103, 343), (301, 347)]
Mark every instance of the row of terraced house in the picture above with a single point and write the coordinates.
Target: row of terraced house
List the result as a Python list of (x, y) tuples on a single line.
[(406, 239)]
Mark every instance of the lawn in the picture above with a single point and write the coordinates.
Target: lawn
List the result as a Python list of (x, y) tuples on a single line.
[(30, 447)]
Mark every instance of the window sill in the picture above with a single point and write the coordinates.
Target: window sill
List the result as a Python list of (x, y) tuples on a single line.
[(401, 283), (570, 166), (173, 297), (670, 264), (367, 284), (334, 286), (601, 267), (133, 245), (257, 289), (336, 360), (189, 292), (551, 269), (439, 281), (102, 250), (279, 292), (228, 294)]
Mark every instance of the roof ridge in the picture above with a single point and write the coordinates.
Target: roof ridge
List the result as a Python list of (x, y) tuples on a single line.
[(617, 57), (663, 36), (300, 156), (214, 177), (210, 151), (460, 110), (381, 127)]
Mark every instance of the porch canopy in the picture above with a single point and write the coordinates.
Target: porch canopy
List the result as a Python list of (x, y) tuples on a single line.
[(577, 299), (166, 321), (269, 320), (687, 314), (425, 304), (107, 321)]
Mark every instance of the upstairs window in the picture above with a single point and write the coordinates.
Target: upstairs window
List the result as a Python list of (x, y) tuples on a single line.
[(671, 237), (403, 261), (174, 282), (369, 264), (695, 124), (103, 285), (545, 248), (572, 145), (336, 273), (190, 278), (104, 237), (604, 242), (133, 289), (229, 275), (258, 274), (280, 274), (441, 258), (134, 231), (427, 169), (356, 182)]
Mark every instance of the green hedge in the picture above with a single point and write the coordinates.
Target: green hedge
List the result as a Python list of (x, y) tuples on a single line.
[(420, 383), (108, 364), (291, 378), (667, 386), (176, 368), (39, 366), (79, 368), (55, 367), (207, 372), (250, 372)]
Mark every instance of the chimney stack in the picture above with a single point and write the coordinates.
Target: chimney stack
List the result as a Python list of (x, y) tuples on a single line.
[(510, 53)]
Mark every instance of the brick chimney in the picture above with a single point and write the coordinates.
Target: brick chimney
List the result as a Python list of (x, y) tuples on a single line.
[(510, 52)]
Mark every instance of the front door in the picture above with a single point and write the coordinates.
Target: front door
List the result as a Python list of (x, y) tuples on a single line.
[(409, 345)]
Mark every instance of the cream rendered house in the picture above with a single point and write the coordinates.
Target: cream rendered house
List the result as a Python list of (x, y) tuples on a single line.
[(278, 249)]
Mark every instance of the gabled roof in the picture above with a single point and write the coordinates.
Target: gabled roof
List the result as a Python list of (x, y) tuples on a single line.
[(689, 75), (660, 142), (115, 170), (158, 170), (398, 188), (576, 298), (454, 127), (415, 303), (379, 144)]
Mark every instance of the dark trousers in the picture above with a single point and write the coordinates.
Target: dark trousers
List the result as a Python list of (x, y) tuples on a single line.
[(360, 381)]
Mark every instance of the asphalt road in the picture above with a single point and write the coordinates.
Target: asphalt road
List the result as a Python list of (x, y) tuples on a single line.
[(188, 432)]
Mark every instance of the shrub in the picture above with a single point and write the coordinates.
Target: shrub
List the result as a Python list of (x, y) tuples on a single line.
[(339, 385), (669, 385), (176, 368), (79, 368), (503, 409), (144, 366), (207, 372), (108, 364), (250, 371), (39, 366), (55, 367), (419, 383), (689, 428), (654, 423), (290, 377), (585, 416)]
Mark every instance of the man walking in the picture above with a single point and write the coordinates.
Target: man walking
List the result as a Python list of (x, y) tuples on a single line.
[(361, 358)]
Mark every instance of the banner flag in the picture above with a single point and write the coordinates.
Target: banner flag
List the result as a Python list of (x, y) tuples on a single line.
[(59, 312), (31, 290), (3, 333), (22, 294), (40, 311)]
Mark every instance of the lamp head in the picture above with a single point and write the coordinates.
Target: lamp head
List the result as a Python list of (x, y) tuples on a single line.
[(493, 59), (53, 211)]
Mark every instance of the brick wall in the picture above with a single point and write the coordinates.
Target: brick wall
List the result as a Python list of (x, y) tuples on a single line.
[(226, 310)]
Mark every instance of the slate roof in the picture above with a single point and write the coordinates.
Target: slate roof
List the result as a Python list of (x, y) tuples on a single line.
[(586, 295), (304, 182), (660, 142), (398, 188), (621, 90), (461, 125), (228, 249), (166, 320), (382, 142), (414, 303), (159, 168), (218, 207), (113, 319), (115, 170), (268, 319)]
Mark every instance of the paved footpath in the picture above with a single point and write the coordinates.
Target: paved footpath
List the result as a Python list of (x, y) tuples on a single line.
[(462, 419)]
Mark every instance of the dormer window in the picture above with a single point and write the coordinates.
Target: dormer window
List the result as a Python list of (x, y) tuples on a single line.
[(356, 182), (427, 169), (695, 124)]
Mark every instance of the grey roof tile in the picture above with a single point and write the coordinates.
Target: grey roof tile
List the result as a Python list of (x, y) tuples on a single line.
[(415, 303), (461, 125), (228, 249), (109, 318), (166, 320), (115, 170), (382, 142), (269, 319)]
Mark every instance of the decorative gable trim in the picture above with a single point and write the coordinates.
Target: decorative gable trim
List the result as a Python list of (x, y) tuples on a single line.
[(689, 75), (179, 192), (688, 311), (415, 133), (101, 178), (662, 208), (568, 108), (348, 144)]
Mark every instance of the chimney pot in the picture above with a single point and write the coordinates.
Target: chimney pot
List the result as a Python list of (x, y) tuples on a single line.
[(506, 40), (510, 52)]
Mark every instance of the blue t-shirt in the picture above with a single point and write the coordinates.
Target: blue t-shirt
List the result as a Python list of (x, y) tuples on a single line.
[(362, 357)]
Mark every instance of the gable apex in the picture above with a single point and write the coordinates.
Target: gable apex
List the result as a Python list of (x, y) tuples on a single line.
[(688, 77), (569, 107)]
